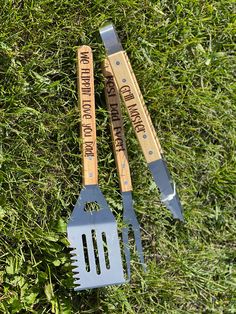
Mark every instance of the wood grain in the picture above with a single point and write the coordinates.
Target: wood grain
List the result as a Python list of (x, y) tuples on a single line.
[(133, 99), (117, 129), (85, 89)]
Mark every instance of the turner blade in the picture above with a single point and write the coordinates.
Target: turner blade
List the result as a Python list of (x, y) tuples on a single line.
[(94, 240), (88, 277)]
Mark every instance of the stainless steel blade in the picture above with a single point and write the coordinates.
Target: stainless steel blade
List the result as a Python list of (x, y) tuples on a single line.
[(102, 224), (110, 39), (163, 180)]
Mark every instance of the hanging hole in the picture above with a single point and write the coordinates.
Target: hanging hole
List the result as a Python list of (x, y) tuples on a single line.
[(91, 207), (95, 247), (105, 248), (86, 257)]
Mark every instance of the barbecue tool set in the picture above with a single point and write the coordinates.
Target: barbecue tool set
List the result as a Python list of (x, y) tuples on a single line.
[(93, 234)]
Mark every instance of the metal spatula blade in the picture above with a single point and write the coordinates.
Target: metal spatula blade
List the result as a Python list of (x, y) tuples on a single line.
[(94, 239)]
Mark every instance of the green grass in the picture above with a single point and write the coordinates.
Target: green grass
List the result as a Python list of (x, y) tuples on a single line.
[(182, 53)]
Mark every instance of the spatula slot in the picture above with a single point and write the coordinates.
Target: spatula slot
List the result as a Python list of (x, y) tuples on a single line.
[(105, 248), (86, 256), (91, 207), (95, 247)]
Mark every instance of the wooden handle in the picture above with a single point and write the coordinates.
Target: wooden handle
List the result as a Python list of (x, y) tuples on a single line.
[(133, 99), (85, 83), (117, 129), (143, 103)]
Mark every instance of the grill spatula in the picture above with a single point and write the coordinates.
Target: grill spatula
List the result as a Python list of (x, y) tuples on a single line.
[(92, 235)]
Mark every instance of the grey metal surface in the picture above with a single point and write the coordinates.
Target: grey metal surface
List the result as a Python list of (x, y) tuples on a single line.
[(131, 222), (83, 224), (110, 39), (169, 195)]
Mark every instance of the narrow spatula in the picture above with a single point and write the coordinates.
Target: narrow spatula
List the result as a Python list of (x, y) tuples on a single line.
[(92, 235)]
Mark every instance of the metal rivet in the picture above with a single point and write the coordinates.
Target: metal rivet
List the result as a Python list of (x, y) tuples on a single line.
[(150, 152), (117, 62), (144, 135), (90, 174), (124, 80), (126, 182)]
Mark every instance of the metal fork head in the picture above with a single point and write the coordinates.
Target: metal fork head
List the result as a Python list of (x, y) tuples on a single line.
[(131, 222), (95, 244)]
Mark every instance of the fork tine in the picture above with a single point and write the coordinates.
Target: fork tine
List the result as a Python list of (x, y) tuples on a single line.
[(131, 220), (125, 238), (138, 243)]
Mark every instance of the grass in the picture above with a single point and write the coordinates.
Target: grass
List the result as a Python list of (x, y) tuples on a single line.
[(182, 53)]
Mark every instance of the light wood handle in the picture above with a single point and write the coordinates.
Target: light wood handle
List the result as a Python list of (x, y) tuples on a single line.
[(133, 99), (142, 102), (85, 89), (117, 129)]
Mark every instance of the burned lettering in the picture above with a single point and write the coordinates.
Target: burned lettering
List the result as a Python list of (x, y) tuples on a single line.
[(136, 118), (114, 112), (84, 57), (110, 86), (86, 107), (126, 92), (119, 143), (88, 149), (87, 130)]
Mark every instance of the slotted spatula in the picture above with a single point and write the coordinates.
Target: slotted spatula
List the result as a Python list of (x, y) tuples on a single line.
[(122, 164), (92, 235)]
